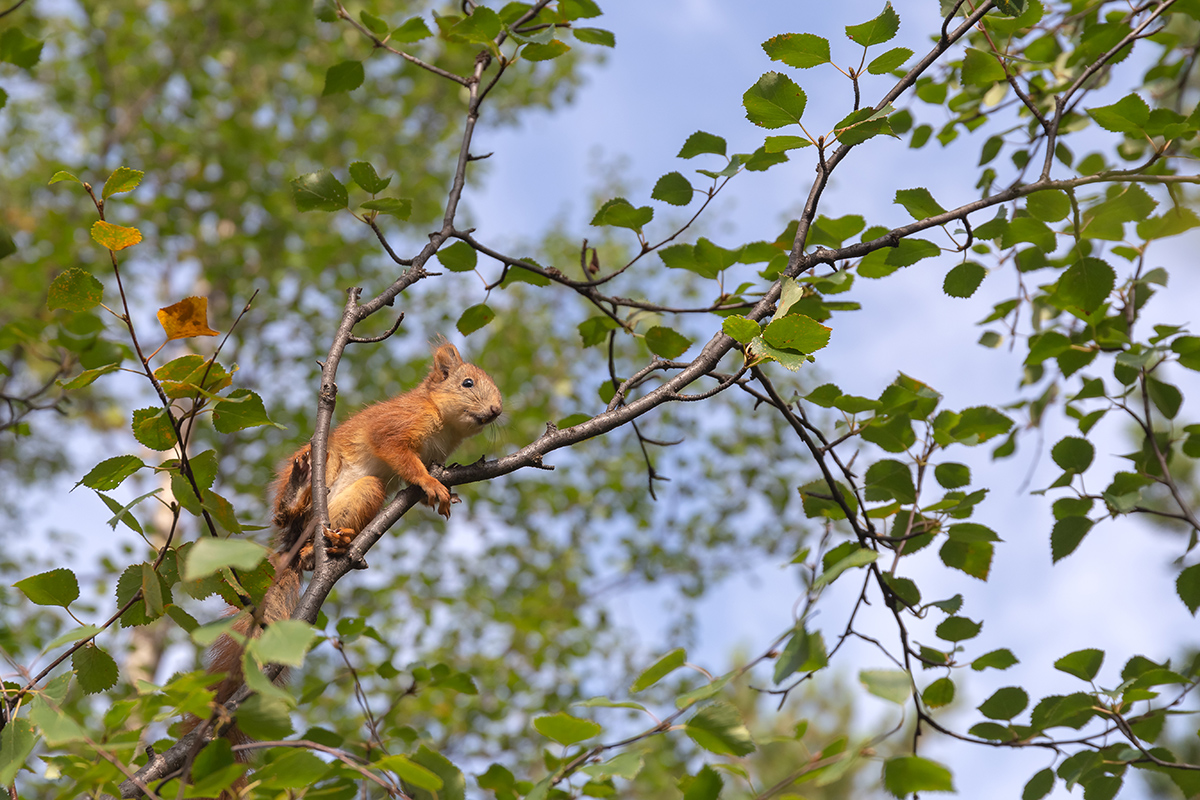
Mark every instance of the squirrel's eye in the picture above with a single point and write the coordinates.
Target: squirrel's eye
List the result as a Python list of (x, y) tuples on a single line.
[(468, 383)]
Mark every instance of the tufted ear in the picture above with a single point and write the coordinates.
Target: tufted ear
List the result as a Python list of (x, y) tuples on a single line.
[(445, 360)]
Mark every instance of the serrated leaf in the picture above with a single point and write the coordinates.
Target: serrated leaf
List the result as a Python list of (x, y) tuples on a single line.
[(1129, 115), (17, 741), (877, 30), (673, 188), (566, 729), (891, 684), (1004, 704), (1073, 453), (152, 427), (666, 343), (939, 693), (241, 409), (996, 659), (919, 203), (319, 191), (545, 52), (702, 142), (1187, 585), (659, 670), (796, 332), (114, 237), (718, 728), (186, 319), (621, 213), (958, 629), (1051, 205), (285, 641), (210, 555), (860, 557), (412, 30), (111, 473), (1066, 535), (58, 587), (740, 329), (123, 179), (595, 36), (1039, 785), (474, 318), (1083, 664), (890, 61), (363, 173), (774, 101), (458, 257), (905, 775), (344, 77), (1087, 284), (95, 669), (373, 23), (800, 50), (964, 279)]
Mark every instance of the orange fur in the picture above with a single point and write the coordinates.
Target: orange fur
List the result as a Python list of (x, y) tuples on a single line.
[(395, 439)]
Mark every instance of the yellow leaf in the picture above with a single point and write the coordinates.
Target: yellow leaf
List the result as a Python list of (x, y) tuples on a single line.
[(187, 318), (115, 237)]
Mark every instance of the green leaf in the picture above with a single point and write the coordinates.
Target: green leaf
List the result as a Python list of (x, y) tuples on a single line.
[(481, 26), (701, 142), (877, 30), (95, 669), (621, 213), (210, 555), (740, 329), (411, 772), (74, 289), (17, 741), (57, 727), (363, 173), (666, 343), (1005, 703), (1083, 664), (804, 651), (800, 50), (919, 203), (111, 473), (344, 77), (883, 262), (458, 257), (1051, 205), (544, 52), (63, 175), (1130, 115), (566, 729), (58, 587), (939, 693), (7, 245), (123, 179), (1039, 785), (285, 641), (241, 409), (774, 101), (474, 318), (906, 775), (1166, 397), (952, 476), (892, 685), (859, 557), (964, 279), (413, 30), (1087, 284), (980, 68), (373, 23), (1187, 585), (890, 480), (797, 333), (706, 785), (659, 670), (673, 188), (595, 330), (18, 49), (319, 191), (972, 557), (890, 61), (1066, 535), (718, 728), (595, 36), (958, 629), (980, 423), (1073, 453), (152, 427)]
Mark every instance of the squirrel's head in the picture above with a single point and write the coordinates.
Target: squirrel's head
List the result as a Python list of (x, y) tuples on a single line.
[(467, 397)]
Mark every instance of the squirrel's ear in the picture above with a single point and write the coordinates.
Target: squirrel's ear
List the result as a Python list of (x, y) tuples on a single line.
[(445, 359)]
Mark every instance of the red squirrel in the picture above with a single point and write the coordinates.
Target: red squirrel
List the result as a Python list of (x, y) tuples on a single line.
[(397, 438)]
